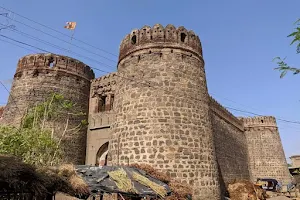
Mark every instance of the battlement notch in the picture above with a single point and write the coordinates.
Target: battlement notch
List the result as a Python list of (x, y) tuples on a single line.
[(49, 61), (259, 121), (159, 36)]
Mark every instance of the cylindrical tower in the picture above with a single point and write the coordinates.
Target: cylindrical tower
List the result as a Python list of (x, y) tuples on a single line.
[(39, 75), (162, 107), (265, 150)]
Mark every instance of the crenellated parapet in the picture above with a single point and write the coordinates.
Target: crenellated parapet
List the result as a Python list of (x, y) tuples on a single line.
[(161, 37), (222, 112), (54, 62), (104, 85), (261, 121)]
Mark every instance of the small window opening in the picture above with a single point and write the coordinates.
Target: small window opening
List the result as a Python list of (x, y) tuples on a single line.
[(133, 39), (182, 37), (102, 103), (112, 99), (262, 121), (51, 62)]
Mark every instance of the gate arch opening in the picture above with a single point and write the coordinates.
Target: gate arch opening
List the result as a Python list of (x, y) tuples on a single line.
[(101, 158)]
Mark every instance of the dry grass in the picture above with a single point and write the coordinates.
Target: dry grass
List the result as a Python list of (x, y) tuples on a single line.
[(64, 179), (180, 190), (152, 172), (78, 185), (66, 170), (122, 181), (160, 190), (245, 190), (18, 176)]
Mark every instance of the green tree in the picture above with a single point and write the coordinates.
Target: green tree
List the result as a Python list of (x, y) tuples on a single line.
[(283, 67), (34, 140)]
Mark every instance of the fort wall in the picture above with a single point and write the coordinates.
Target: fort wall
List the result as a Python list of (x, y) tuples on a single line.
[(295, 160), (266, 155), (101, 116), (39, 75), (230, 144), (166, 125), (155, 109)]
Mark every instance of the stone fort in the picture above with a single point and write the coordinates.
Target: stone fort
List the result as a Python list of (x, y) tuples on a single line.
[(155, 109)]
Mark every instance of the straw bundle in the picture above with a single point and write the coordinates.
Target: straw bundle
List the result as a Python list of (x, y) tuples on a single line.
[(152, 172), (160, 190), (122, 181)]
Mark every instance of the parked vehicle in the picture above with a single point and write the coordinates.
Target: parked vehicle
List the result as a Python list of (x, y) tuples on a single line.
[(269, 184)]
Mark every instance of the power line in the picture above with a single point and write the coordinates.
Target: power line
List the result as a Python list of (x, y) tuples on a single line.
[(252, 113), (55, 46), (17, 45), (235, 109), (61, 39), (11, 97), (59, 32), (45, 42), (43, 25)]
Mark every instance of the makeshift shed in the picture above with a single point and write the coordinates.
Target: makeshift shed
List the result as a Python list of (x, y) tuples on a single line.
[(127, 181)]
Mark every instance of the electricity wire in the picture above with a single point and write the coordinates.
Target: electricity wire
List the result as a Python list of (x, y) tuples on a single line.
[(149, 85)]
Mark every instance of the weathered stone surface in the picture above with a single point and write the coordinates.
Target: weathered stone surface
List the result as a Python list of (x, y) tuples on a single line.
[(266, 155), (39, 75), (174, 106), (156, 110), (231, 145)]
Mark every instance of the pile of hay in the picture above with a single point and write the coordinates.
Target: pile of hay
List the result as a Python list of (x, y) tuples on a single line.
[(245, 190), (152, 172), (64, 179), (179, 190), (16, 176), (160, 190)]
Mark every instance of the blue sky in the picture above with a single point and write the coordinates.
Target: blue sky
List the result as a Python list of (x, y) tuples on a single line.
[(239, 39)]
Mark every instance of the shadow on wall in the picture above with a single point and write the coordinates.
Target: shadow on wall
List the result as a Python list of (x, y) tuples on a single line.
[(223, 187)]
